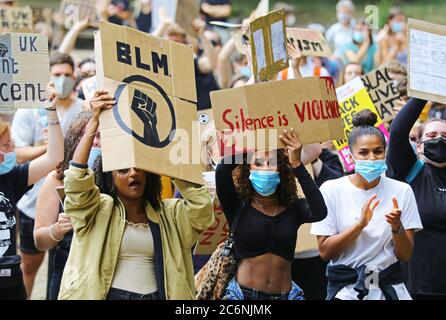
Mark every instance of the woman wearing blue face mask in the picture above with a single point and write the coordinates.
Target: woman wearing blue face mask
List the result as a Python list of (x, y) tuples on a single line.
[(393, 40), (269, 213), (362, 50), (370, 223), (425, 171), (15, 181)]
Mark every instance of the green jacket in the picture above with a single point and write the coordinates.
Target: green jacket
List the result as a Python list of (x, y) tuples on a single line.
[(99, 222)]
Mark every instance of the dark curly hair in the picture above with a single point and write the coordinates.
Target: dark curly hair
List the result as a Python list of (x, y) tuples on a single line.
[(364, 124), (72, 139), (152, 189), (286, 190)]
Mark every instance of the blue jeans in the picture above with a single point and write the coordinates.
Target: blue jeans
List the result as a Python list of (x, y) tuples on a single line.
[(236, 292), (118, 294)]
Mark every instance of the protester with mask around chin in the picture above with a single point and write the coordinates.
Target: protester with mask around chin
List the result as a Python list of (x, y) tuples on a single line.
[(53, 229), (341, 33), (269, 215), (426, 174), (15, 181), (370, 223), (30, 133)]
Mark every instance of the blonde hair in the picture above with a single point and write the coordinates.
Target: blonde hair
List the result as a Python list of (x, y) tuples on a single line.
[(4, 128)]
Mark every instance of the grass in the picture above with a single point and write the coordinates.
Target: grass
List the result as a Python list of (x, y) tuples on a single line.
[(322, 11)]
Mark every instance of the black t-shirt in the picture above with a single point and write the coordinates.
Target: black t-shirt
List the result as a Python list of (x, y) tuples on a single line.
[(144, 22), (215, 2), (13, 185), (205, 83)]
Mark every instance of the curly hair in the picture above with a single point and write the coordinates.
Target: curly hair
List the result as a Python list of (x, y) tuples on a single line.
[(72, 139), (152, 189), (286, 190)]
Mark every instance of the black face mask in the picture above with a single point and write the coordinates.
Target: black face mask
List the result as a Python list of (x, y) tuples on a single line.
[(80, 94), (435, 150)]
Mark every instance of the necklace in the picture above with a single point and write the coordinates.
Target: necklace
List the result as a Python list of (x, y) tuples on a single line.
[(263, 210)]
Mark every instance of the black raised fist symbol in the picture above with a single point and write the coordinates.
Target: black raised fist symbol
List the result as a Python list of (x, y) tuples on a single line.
[(145, 109), (3, 50)]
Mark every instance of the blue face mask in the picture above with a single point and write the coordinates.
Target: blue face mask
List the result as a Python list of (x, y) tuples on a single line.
[(370, 169), (8, 163), (94, 153), (358, 37), (264, 182), (397, 27), (246, 71)]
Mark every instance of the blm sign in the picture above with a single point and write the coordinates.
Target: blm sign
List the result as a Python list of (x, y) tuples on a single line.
[(24, 70), (153, 82)]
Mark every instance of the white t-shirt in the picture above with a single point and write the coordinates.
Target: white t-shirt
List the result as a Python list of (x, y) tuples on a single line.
[(374, 247), (28, 128)]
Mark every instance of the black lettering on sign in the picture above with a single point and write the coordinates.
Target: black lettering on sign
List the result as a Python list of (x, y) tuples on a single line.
[(26, 43), (146, 110), (124, 55)]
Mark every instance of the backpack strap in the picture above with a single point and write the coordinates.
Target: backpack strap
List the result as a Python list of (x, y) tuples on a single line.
[(416, 169)]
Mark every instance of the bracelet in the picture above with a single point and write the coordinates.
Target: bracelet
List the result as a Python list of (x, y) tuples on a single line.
[(53, 123), (50, 232), (51, 109)]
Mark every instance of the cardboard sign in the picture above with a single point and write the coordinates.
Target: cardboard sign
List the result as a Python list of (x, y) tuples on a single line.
[(89, 86), (262, 8), (218, 231), (383, 92), (427, 61), (267, 38), (153, 82), (17, 19), (24, 70), (309, 42), (78, 10), (261, 111), (353, 97), (184, 12)]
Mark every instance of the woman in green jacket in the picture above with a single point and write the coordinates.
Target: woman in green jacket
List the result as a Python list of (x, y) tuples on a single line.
[(128, 243)]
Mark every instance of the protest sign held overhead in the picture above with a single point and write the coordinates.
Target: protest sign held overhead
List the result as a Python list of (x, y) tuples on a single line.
[(153, 83), (427, 61), (309, 42), (16, 19), (353, 97), (261, 111), (267, 38), (24, 70), (184, 12), (383, 92), (78, 10)]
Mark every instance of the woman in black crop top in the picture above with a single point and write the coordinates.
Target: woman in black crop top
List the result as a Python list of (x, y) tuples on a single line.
[(271, 214)]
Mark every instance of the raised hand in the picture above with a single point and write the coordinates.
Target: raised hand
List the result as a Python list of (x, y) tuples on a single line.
[(293, 147), (394, 217), (367, 211)]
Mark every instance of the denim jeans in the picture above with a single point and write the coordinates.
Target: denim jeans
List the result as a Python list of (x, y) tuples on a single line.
[(236, 292), (118, 294)]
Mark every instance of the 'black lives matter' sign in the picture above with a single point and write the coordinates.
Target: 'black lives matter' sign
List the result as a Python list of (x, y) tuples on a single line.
[(24, 70)]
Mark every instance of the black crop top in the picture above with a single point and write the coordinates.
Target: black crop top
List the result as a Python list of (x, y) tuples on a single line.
[(258, 233)]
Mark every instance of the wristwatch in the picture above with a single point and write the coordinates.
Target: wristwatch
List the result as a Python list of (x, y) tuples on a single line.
[(399, 231)]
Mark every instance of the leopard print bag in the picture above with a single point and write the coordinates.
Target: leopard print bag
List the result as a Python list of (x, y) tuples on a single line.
[(211, 281)]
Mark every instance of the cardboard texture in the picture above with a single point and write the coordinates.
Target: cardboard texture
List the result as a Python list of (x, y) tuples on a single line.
[(309, 42), (353, 97), (184, 12), (309, 105), (383, 92), (78, 10), (16, 19), (426, 61), (24, 70), (153, 82), (267, 38)]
